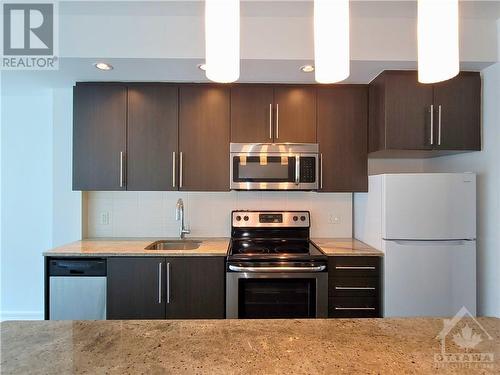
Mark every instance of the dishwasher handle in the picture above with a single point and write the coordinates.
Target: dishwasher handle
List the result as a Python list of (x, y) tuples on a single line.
[(77, 267)]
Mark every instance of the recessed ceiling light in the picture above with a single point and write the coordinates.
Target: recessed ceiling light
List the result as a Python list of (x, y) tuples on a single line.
[(307, 68), (202, 67), (103, 66)]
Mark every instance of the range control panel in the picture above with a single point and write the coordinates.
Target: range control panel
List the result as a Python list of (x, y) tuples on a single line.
[(254, 219)]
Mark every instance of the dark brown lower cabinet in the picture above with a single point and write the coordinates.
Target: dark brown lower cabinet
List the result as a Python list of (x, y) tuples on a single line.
[(135, 288), (354, 287), (195, 288), (165, 288)]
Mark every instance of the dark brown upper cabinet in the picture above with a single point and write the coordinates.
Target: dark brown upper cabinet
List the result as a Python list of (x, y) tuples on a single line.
[(204, 128), (252, 114), (457, 106), (99, 136), (407, 118), (343, 136), (295, 114), (152, 137), (264, 113)]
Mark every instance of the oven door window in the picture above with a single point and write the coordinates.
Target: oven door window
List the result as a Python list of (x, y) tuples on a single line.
[(263, 168), (277, 298)]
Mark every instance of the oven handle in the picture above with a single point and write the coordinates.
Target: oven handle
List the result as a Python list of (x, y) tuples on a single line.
[(277, 269)]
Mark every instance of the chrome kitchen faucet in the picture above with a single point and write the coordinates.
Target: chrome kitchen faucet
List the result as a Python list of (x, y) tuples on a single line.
[(179, 215)]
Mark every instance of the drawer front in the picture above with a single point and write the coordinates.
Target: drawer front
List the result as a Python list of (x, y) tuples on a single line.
[(354, 307), (340, 267), (354, 286)]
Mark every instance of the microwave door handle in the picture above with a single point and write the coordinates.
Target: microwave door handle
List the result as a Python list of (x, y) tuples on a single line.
[(297, 169)]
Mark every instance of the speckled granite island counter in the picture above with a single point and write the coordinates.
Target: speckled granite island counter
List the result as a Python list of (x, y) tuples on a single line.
[(377, 346), (136, 247)]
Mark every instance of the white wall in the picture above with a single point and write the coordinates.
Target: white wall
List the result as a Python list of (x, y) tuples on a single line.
[(26, 200), (152, 214), (487, 166), (38, 208)]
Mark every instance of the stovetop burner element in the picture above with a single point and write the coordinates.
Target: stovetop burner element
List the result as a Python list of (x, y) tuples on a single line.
[(261, 239)]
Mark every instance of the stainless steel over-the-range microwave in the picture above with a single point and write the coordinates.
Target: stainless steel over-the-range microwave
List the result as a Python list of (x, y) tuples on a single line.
[(274, 166)]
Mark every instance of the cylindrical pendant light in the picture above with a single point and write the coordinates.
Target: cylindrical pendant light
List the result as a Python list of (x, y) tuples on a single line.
[(222, 40), (438, 56), (331, 40)]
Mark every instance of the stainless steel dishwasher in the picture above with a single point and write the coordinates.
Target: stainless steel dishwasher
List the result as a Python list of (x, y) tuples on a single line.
[(77, 289)]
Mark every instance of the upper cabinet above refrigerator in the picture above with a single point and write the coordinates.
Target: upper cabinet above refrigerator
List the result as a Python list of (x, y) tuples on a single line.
[(410, 119)]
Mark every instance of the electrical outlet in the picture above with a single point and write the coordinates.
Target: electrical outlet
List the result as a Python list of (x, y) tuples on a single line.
[(104, 218), (333, 219)]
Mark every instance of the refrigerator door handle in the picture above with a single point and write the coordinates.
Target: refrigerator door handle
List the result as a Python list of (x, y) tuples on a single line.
[(432, 242)]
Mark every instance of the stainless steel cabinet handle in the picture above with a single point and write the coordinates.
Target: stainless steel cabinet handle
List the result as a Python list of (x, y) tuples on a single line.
[(321, 171), (432, 124), (180, 169), (270, 121), (297, 169), (168, 282), (354, 288), (173, 169), (277, 269), (439, 125), (159, 282), (122, 182), (277, 121), (355, 308), (354, 267)]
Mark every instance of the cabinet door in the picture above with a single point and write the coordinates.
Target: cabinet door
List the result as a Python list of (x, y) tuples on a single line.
[(342, 136), (195, 288), (295, 114), (136, 288), (99, 136), (407, 111), (460, 101), (204, 138), (152, 137), (251, 114)]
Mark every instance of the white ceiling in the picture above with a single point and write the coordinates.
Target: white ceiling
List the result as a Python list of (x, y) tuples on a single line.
[(163, 41)]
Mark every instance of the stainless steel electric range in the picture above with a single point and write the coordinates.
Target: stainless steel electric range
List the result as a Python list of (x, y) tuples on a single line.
[(273, 269)]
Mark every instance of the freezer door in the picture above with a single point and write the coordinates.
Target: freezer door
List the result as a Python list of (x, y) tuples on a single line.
[(429, 206), (429, 278)]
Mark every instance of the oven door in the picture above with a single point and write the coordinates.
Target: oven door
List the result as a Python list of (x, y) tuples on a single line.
[(273, 171), (276, 295)]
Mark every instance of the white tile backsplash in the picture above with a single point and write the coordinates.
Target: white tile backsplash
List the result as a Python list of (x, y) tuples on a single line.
[(152, 214)]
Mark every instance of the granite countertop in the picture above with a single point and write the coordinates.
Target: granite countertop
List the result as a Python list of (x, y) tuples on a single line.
[(136, 246), (346, 246), (350, 346)]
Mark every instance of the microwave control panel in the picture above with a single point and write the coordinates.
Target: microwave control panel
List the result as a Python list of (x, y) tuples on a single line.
[(307, 169)]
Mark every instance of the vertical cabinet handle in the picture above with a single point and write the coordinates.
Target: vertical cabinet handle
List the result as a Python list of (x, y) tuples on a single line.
[(270, 121), (159, 282), (122, 163), (439, 125), (321, 171), (180, 169), (173, 169), (277, 121), (168, 282), (432, 124), (297, 169)]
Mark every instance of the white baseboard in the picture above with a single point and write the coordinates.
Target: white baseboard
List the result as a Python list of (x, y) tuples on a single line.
[(21, 315)]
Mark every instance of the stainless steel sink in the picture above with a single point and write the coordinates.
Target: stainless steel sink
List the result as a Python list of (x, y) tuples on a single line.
[(174, 245)]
